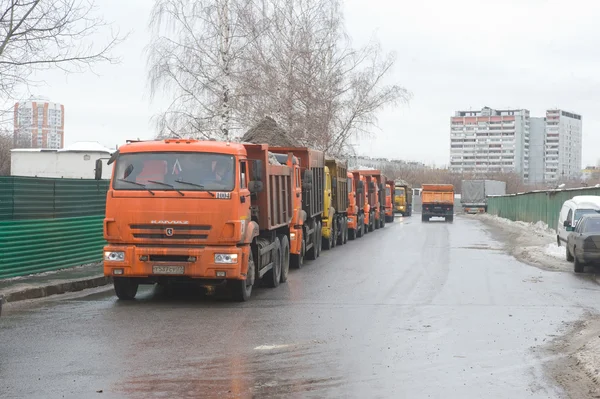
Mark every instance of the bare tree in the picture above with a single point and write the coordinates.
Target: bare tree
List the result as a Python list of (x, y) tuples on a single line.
[(194, 55), (42, 34), (231, 62), (6, 144)]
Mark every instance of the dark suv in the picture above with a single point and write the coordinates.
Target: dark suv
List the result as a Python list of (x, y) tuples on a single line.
[(583, 242)]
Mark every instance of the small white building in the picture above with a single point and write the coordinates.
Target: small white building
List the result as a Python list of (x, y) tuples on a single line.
[(77, 161)]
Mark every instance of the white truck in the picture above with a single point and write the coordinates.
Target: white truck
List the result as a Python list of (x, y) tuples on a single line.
[(474, 194)]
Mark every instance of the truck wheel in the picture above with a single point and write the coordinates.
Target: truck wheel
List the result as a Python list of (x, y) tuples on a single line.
[(361, 227), (424, 218), (372, 222), (125, 287), (328, 242), (558, 240), (568, 255), (273, 276), (320, 239), (297, 260), (450, 218), (352, 234), (285, 257), (577, 265), (334, 235), (345, 232), (383, 221), (311, 254), (241, 290)]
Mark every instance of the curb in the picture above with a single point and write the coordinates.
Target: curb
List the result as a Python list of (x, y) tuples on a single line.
[(55, 289)]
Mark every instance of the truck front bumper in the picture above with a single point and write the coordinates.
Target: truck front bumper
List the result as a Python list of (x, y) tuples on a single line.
[(197, 263)]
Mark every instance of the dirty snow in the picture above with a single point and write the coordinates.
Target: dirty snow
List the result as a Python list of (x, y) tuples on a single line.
[(532, 243), (554, 250)]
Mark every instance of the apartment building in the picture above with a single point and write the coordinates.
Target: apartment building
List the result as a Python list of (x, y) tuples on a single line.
[(39, 123), (540, 149), (490, 141), (563, 145)]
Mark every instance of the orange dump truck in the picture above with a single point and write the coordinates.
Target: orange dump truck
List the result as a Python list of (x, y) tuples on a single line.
[(376, 195), (363, 209), (438, 201), (207, 212), (389, 201), (312, 172)]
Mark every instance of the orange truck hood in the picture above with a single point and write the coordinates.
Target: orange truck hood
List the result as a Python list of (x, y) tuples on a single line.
[(186, 220)]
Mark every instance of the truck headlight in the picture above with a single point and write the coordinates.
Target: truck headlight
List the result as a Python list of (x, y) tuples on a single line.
[(292, 236), (114, 256), (226, 258)]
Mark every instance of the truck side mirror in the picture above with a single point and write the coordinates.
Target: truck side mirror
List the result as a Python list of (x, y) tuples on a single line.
[(257, 167), (255, 186), (307, 180), (567, 223), (371, 187), (334, 183), (98, 170), (360, 186)]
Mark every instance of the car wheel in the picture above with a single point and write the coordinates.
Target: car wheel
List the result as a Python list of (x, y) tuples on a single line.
[(577, 265), (568, 255)]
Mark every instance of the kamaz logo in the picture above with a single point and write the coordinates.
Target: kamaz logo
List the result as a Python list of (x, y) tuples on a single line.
[(170, 222)]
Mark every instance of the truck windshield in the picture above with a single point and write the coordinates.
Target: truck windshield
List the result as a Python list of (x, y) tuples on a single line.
[(399, 192), (179, 170)]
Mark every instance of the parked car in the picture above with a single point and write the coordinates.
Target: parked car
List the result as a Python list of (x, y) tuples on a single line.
[(583, 242), (571, 212)]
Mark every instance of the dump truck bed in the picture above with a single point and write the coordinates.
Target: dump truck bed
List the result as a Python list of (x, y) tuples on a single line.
[(313, 162), (339, 173), (273, 204), (438, 194)]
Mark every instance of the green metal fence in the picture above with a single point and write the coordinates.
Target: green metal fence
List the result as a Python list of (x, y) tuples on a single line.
[(44, 198), (35, 246), (535, 206)]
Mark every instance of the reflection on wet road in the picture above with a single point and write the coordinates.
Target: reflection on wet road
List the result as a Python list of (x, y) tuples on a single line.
[(412, 311)]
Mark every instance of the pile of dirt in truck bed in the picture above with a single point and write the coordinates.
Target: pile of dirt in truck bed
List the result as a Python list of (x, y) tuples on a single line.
[(268, 132)]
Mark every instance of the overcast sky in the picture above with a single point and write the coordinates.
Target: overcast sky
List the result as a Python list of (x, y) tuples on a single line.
[(452, 55)]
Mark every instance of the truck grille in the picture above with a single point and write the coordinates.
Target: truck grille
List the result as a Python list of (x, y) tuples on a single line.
[(177, 232)]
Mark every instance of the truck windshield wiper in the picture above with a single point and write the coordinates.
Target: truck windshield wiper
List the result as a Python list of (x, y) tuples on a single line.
[(137, 184), (195, 185), (166, 184)]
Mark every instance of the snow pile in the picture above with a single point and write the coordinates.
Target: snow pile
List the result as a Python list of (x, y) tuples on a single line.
[(555, 251), (538, 227)]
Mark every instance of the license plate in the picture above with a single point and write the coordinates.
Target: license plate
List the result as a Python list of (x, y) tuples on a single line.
[(168, 269)]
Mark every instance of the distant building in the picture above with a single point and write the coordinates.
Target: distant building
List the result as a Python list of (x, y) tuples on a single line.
[(39, 123), (490, 141), (540, 150), (562, 154), (537, 149), (383, 163), (77, 161)]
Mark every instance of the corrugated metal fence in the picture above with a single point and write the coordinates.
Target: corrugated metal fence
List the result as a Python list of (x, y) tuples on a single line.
[(49, 224), (535, 206), (44, 198)]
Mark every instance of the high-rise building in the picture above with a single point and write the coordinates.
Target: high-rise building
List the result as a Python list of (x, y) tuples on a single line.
[(537, 140), (540, 150), (563, 143), (39, 123), (490, 141)]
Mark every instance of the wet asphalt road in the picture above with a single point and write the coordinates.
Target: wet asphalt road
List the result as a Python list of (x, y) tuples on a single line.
[(412, 311)]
